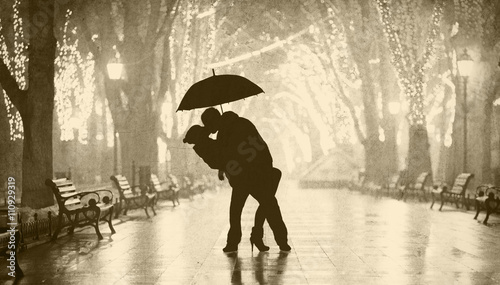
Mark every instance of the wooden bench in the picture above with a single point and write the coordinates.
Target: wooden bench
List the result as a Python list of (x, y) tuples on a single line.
[(418, 187), (488, 199), (9, 242), (456, 193), (395, 186), (132, 199), (188, 187), (171, 191), (358, 182), (81, 208)]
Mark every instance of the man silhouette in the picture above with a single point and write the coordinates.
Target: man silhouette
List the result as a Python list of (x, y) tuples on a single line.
[(244, 157)]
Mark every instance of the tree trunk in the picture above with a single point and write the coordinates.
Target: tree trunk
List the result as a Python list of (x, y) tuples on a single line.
[(486, 140), (179, 153), (390, 92), (373, 146), (486, 130), (38, 107), (419, 159)]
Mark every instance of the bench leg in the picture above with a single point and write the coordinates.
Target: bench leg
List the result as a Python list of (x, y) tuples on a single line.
[(465, 202), (125, 209), (96, 226), (71, 229), (487, 217), (478, 209), (59, 226), (110, 218), (153, 206), (146, 210), (442, 201), (172, 198)]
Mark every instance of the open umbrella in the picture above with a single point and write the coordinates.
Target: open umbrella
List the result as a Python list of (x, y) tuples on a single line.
[(217, 90)]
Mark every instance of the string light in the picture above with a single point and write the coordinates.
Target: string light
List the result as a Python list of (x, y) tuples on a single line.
[(17, 67), (74, 96), (411, 71)]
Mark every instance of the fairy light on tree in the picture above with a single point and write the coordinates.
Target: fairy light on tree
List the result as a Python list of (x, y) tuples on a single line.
[(411, 60), (17, 67), (75, 86)]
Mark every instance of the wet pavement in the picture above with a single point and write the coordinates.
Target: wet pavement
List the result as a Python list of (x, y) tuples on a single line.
[(337, 237)]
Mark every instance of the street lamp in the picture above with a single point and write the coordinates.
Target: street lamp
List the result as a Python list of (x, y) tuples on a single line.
[(394, 107), (115, 70), (464, 63)]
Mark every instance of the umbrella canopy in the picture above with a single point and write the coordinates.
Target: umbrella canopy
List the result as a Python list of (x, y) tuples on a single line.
[(218, 89)]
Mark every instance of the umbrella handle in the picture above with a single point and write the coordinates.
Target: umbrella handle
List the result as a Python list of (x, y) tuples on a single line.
[(213, 71)]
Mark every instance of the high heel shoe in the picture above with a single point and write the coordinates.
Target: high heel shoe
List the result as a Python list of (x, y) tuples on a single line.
[(256, 238), (230, 248), (259, 244)]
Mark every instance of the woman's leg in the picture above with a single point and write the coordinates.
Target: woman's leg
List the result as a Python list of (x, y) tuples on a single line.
[(271, 210), (260, 218), (258, 230)]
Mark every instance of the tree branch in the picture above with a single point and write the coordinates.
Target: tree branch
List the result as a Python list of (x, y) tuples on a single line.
[(167, 20), (153, 22), (350, 106), (433, 30), (9, 84)]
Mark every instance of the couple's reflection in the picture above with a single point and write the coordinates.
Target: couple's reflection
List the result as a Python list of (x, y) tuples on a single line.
[(262, 266)]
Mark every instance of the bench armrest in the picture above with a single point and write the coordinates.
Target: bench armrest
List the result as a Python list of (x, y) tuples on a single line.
[(84, 197), (105, 196)]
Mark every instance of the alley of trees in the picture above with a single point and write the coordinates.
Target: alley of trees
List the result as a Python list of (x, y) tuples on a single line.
[(90, 87)]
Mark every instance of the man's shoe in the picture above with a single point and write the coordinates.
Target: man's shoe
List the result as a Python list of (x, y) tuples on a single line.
[(285, 247), (230, 248)]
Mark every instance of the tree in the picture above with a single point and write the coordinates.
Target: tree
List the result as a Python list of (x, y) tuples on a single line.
[(35, 104), (412, 46), (347, 41), (475, 26), (129, 31)]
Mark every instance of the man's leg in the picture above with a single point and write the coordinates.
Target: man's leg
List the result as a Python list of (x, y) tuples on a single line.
[(238, 199)]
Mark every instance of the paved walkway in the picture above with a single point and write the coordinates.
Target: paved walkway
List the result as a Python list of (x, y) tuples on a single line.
[(337, 237)]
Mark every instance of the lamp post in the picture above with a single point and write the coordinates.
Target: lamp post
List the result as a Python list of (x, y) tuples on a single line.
[(115, 70), (465, 63)]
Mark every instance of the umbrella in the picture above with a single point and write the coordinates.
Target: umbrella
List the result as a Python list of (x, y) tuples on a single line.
[(217, 90)]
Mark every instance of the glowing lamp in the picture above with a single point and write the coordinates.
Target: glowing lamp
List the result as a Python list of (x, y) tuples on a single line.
[(465, 63), (394, 108), (115, 69)]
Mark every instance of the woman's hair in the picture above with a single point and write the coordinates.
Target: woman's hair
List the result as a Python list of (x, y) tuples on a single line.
[(195, 134)]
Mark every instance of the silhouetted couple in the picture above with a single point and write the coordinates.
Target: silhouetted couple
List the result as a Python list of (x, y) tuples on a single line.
[(242, 155)]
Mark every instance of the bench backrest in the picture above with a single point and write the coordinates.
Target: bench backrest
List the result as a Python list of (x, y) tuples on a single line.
[(63, 188), (461, 182), (393, 182), (155, 182), (421, 181), (123, 186)]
